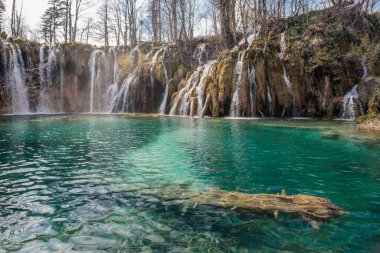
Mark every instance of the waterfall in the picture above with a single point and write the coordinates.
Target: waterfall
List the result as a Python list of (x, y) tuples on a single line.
[(42, 70), (113, 89), (365, 71), (5, 60), (253, 35), (349, 99), (121, 101), (352, 96), (92, 65), (205, 73), (51, 66), (97, 63), (289, 85), (252, 86), (200, 54), (184, 94), (15, 74), (116, 68), (152, 66), (269, 97), (236, 103), (46, 71), (62, 80), (162, 109)]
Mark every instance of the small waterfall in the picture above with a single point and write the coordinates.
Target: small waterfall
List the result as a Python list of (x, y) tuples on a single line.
[(289, 85), (62, 81), (184, 94), (51, 66), (46, 71), (162, 109), (365, 71), (121, 101), (205, 73), (97, 64), (16, 80), (152, 66), (236, 103), (135, 54), (349, 99), (5, 54), (113, 89), (348, 107), (253, 35), (269, 97), (200, 54), (252, 86), (42, 70)]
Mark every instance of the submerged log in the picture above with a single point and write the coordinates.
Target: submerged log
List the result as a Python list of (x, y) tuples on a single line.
[(299, 206)]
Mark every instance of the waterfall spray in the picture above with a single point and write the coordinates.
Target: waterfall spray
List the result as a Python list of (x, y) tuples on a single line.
[(16, 80), (289, 85), (236, 103), (162, 109)]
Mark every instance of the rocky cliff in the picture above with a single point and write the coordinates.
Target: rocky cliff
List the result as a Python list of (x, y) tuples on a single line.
[(287, 70)]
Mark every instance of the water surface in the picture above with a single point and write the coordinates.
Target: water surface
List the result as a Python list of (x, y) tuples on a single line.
[(70, 183)]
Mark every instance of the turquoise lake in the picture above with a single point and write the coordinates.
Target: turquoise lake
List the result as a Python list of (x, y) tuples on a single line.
[(67, 183)]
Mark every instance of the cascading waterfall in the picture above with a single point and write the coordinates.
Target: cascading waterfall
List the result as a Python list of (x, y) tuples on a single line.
[(62, 81), (289, 85), (121, 102), (152, 66), (349, 103), (236, 103), (269, 97), (184, 94), (348, 108), (252, 86), (97, 63), (200, 54), (365, 71), (162, 109), (42, 70), (205, 73), (15, 74), (113, 88)]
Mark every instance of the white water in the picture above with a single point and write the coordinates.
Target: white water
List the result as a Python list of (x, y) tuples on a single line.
[(365, 71), (162, 108), (121, 102), (289, 85), (47, 71), (269, 97), (252, 86), (184, 94), (236, 103), (200, 54), (97, 65), (113, 89), (153, 64), (43, 100), (205, 73), (62, 82), (349, 103), (352, 96), (16, 80)]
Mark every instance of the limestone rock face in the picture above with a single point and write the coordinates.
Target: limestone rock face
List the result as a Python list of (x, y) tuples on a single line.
[(293, 72)]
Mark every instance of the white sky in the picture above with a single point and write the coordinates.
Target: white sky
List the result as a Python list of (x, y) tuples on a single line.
[(34, 9)]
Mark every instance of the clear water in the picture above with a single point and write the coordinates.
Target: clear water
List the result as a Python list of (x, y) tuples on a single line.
[(64, 184)]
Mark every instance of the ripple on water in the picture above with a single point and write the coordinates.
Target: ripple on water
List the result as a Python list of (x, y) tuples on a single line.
[(80, 184)]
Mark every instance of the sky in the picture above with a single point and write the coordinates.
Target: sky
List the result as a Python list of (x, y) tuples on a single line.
[(34, 9)]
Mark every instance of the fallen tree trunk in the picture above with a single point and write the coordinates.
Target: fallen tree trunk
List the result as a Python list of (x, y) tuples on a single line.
[(300, 206)]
